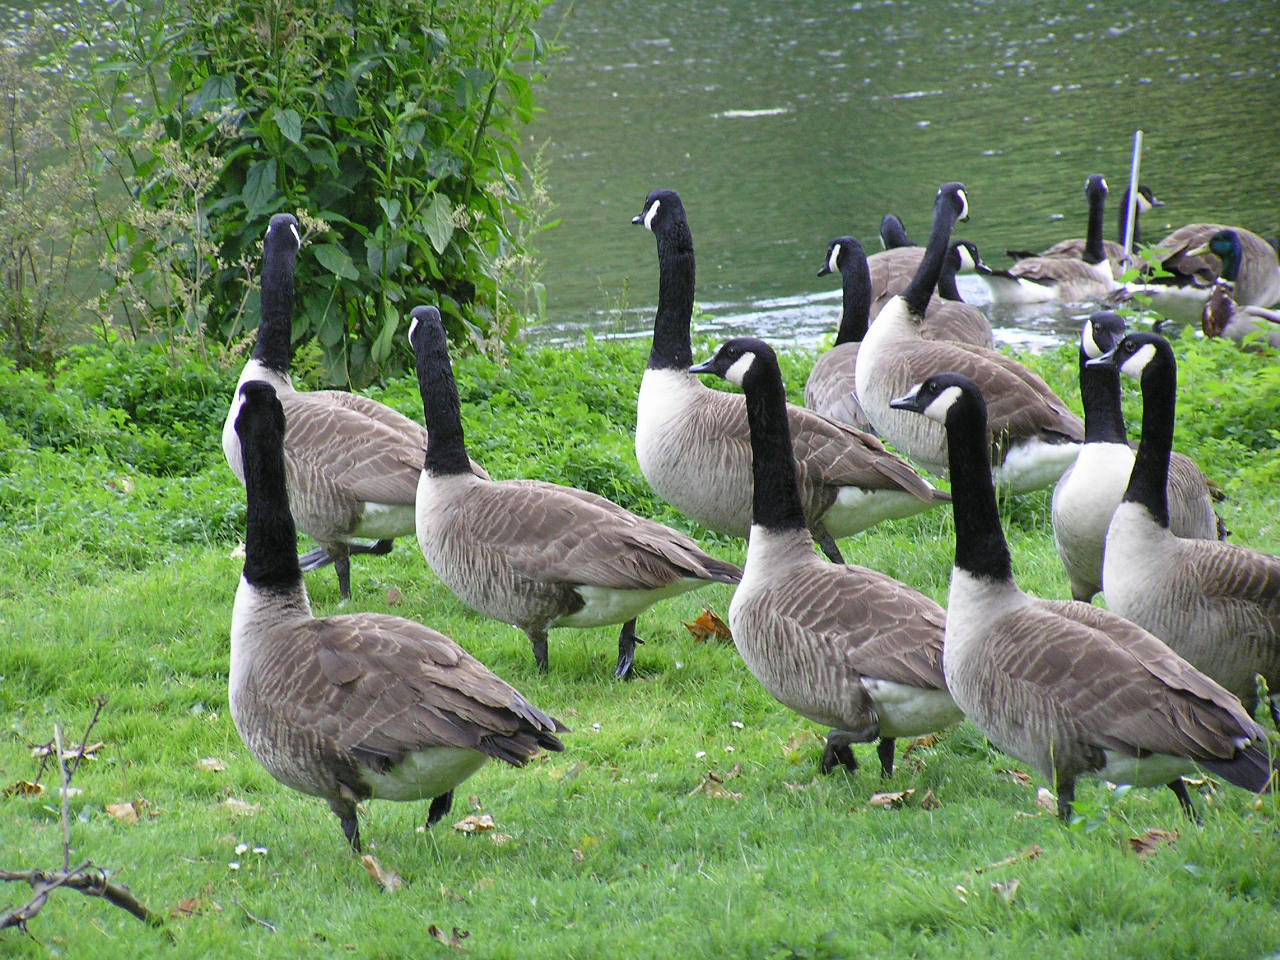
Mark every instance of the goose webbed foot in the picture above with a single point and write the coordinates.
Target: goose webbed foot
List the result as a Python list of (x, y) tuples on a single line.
[(379, 548), (314, 560), (345, 811), (828, 544), (1184, 800), (885, 750), (627, 641), (440, 806), (839, 752)]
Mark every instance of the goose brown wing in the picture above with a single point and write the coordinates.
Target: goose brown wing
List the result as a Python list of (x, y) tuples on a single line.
[(1231, 572), (1117, 686), (553, 533), (878, 626), (382, 686)]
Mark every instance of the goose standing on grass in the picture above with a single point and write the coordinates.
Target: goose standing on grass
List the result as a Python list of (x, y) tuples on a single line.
[(1040, 278), (1036, 435), (352, 463), (538, 555), (693, 444), (1096, 190), (1089, 492), (1222, 315), (354, 707), (1066, 687), (1217, 604), (845, 646)]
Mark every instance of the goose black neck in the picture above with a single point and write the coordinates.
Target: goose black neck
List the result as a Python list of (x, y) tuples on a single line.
[(775, 501), (923, 283), (672, 349), (1094, 249), (1149, 481), (446, 445), (1100, 394), (947, 288), (855, 315), (271, 539), (981, 549), (274, 348)]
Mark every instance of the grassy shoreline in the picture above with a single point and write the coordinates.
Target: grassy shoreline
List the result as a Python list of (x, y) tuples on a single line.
[(116, 577)]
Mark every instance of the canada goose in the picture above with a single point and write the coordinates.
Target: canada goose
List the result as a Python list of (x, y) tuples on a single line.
[(1222, 316), (352, 463), (693, 444), (1073, 249), (360, 706), (1217, 604), (1087, 494), (893, 233), (1036, 435), (947, 317), (538, 555), (1040, 278), (845, 646), (1067, 687)]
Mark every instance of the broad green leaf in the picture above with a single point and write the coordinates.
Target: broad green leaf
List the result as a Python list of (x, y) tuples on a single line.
[(336, 260), (385, 259), (290, 124), (386, 336), (437, 221), (390, 207), (260, 186)]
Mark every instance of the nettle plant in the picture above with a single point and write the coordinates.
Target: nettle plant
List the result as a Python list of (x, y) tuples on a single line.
[(393, 125)]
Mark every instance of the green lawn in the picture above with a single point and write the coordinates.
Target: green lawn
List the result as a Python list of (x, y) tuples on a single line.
[(686, 817)]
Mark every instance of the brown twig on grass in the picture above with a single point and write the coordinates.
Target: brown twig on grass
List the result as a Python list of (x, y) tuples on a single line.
[(86, 878)]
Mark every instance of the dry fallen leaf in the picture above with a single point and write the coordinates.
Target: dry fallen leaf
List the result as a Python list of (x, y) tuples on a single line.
[(1017, 776), (475, 824), (1150, 842), (211, 765), (127, 812), (930, 801), (389, 880), (1008, 890), (69, 752), (395, 597), (1046, 800), (241, 808), (894, 799), (24, 788), (453, 939), (191, 907), (921, 743), (709, 626), (1030, 853), (713, 785), (578, 855)]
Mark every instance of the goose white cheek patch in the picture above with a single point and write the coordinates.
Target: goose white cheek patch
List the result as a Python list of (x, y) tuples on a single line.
[(937, 410), (650, 214), (964, 204), (738, 371), (297, 238), (833, 260), (1134, 366), (1088, 342), (413, 325)]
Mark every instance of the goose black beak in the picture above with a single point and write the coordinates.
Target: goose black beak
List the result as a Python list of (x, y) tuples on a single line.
[(638, 219), (908, 401), (1106, 359), (824, 271), (707, 366)]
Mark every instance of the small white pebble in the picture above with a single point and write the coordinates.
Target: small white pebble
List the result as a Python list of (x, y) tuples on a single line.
[(736, 724)]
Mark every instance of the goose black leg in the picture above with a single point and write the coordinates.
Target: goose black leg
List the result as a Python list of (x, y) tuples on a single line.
[(439, 807), (538, 638), (342, 565), (1066, 786), (627, 641), (345, 810), (828, 544), (1184, 800), (884, 750), (839, 752)]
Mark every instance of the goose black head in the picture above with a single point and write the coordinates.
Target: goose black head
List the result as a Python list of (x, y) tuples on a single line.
[(1146, 199), (839, 251), (941, 394), (892, 232), (736, 360), (1095, 184), (283, 236), (963, 257), (1134, 354), (954, 195), (662, 208), (426, 329), (1101, 332)]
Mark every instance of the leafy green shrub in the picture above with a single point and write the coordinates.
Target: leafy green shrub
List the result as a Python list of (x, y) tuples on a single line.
[(392, 128)]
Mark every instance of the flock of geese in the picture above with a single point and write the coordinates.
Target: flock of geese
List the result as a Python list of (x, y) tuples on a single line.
[(363, 705)]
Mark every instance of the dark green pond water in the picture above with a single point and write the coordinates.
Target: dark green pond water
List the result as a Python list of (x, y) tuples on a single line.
[(784, 124)]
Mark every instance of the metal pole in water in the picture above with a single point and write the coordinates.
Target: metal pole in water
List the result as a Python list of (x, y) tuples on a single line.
[(1132, 198)]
